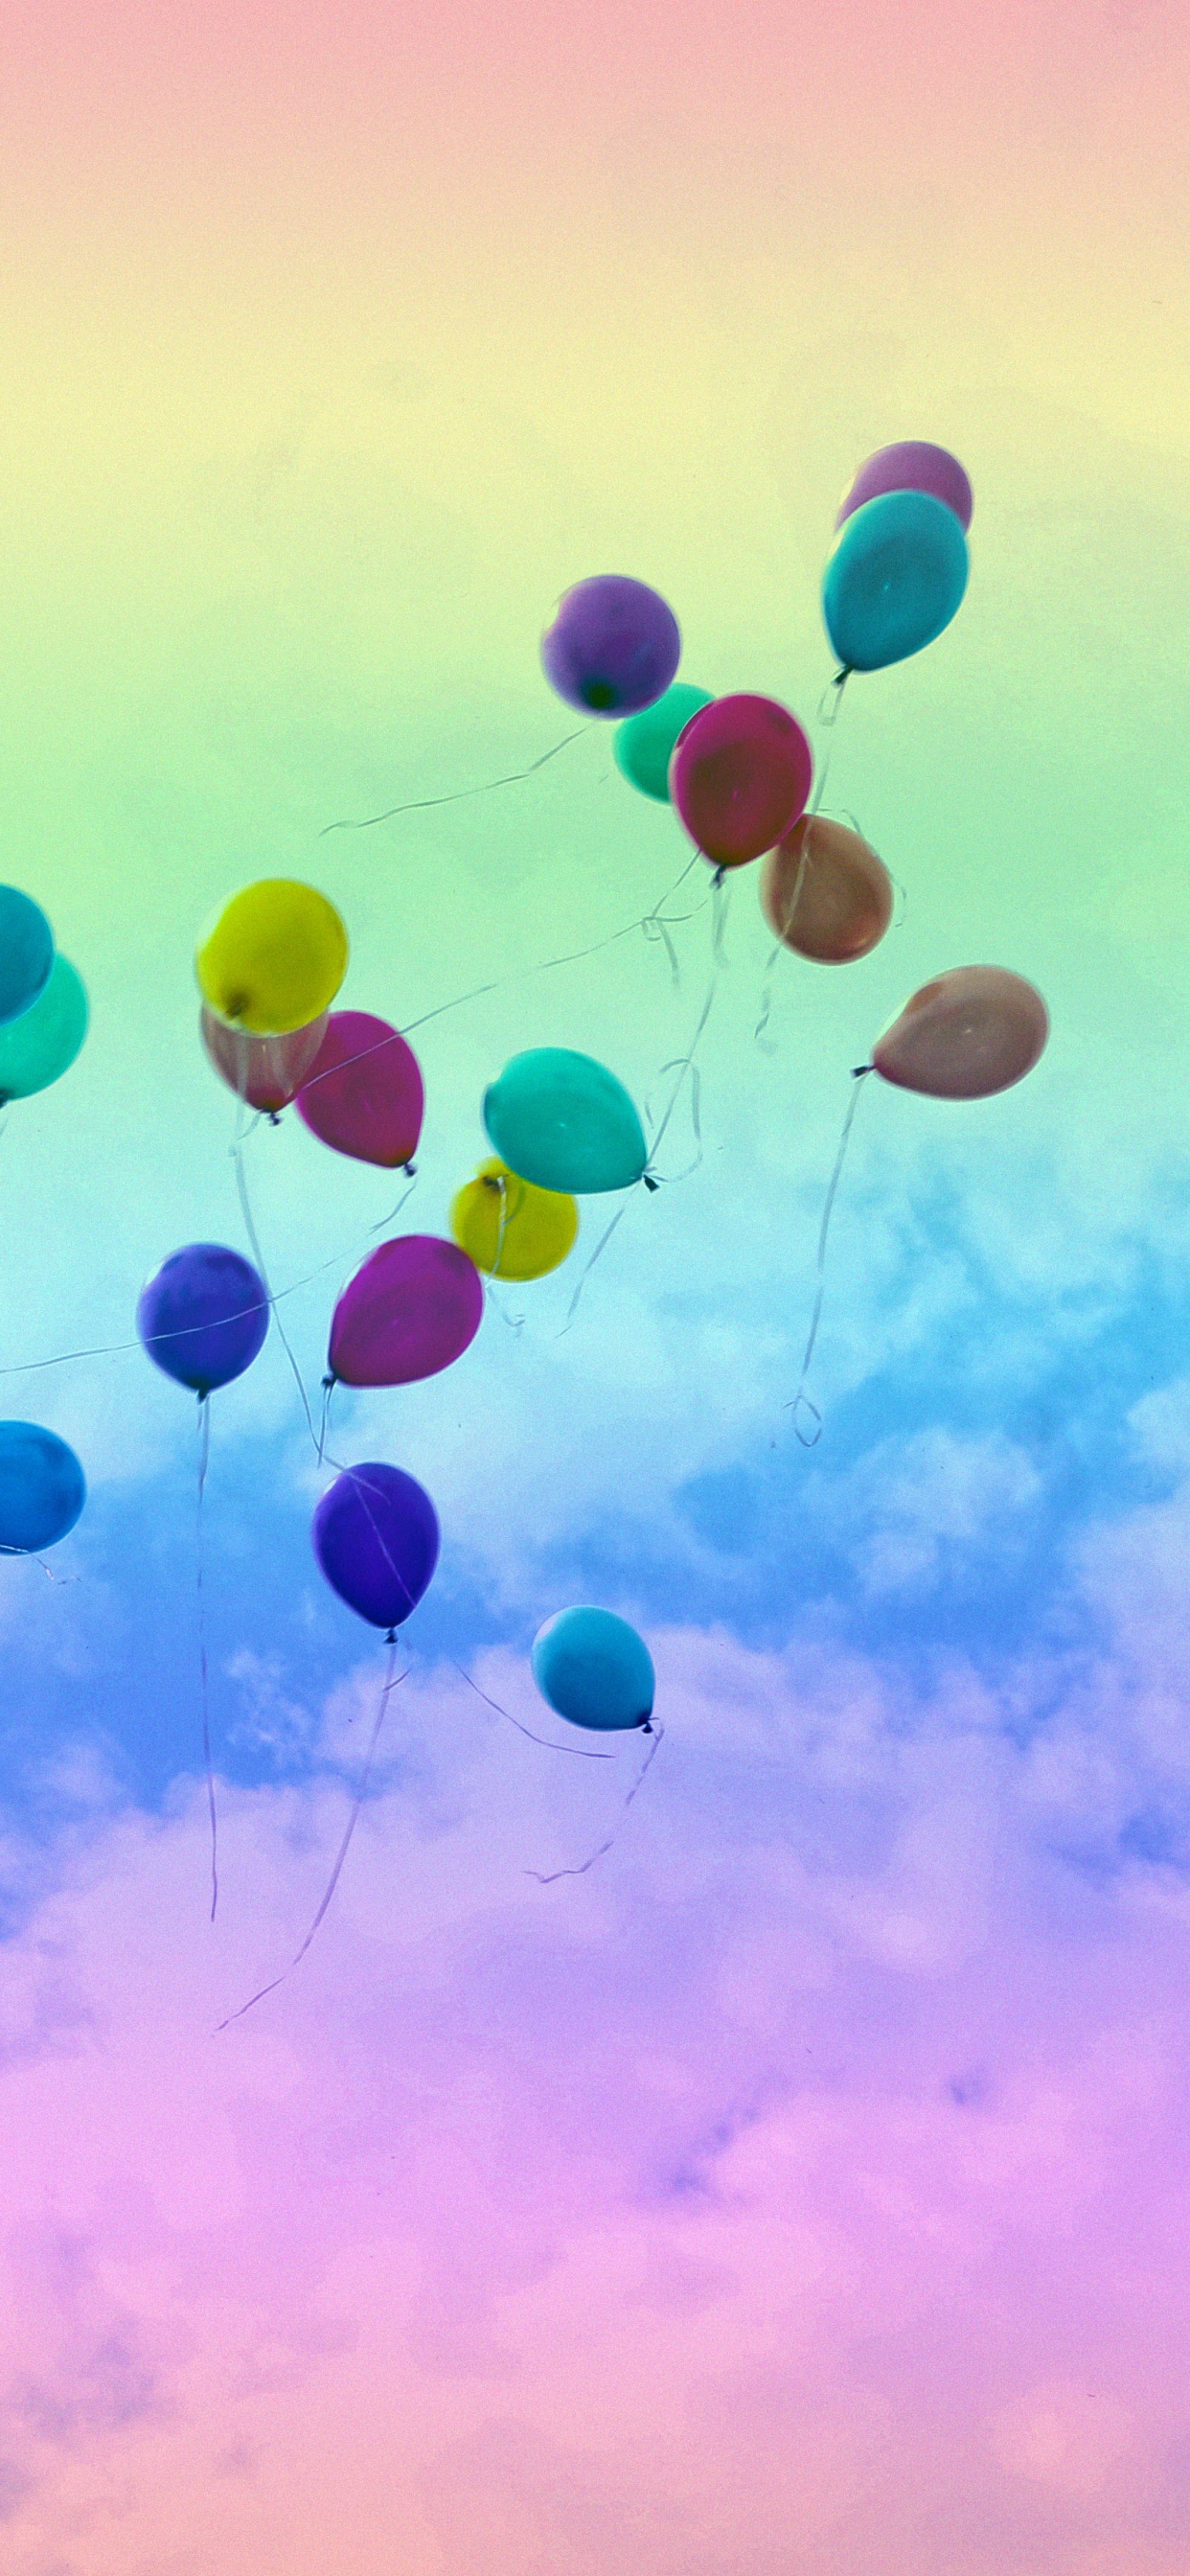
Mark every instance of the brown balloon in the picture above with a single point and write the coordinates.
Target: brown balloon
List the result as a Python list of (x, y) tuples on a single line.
[(966, 1035), (267, 1073), (825, 893)]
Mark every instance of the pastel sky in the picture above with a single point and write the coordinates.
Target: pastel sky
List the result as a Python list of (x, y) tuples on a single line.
[(807, 2186)]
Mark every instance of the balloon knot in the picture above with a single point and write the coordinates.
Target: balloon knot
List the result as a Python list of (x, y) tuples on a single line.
[(274, 1119), (858, 1071), (646, 1725), (649, 1182), (332, 1380), (411, 1170), (391, 1638)]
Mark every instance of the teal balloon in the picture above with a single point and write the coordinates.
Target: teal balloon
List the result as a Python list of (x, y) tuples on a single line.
[(643, 744), (895, 577), (38, 1047), (594, 1669), (42, 1488), (26, 952), (563, 1122)]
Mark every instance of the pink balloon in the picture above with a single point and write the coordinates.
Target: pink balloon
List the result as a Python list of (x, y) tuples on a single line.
[(913, 465), (966, 1035), (739, 776), (266, 1072), (364, 1093), (414, 1307)]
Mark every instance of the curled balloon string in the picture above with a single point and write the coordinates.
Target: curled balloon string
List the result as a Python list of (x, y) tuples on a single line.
[(685, 1063), (801, 1401), (32, 1559), (392, 1679), (204, 1455), (581, 1752), (487, 787), (548, 1878), (383, 1223), (832, 696), (328, 1389), (665, 1180)]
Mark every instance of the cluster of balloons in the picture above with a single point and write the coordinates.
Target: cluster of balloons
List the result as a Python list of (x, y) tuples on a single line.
[(43, 1022), (738, 770), (268, 971)]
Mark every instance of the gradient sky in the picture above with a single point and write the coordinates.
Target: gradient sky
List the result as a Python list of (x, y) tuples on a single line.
[(808, 2186)]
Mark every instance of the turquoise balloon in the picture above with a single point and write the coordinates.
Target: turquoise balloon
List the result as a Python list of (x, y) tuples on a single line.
[(563, 1122), (594, 1669), (894, 579), (26, 952), (38, 1047), (643, 744), (42, 1488)]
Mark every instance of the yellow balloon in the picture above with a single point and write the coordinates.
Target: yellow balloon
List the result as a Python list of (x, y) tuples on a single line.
[(275, 958), (510, 1227)]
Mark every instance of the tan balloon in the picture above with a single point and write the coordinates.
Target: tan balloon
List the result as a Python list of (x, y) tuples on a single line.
[(825, 893), (966, 1035)]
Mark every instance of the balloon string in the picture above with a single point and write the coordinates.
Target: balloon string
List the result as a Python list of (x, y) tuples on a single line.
[(391, 1680), (328, 1389), (788, 912), (600, 1249), (204, 1453), (549, 1877), (686, 1062), (237, 1156), (515, 1323), (801, 1400), (580, 1751), (424, 804)]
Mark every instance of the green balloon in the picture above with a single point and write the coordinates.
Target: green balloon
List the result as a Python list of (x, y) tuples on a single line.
[(643, 744), (39, 1046), (563, 1122)]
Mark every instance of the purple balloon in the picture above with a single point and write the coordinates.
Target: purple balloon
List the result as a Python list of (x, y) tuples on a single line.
[(376, 1538), (613, 648), (203, 1316), (412, 1309), (913, 465)]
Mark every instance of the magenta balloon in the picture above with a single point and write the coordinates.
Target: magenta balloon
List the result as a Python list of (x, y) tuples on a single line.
[(266, 1072), (364, 1093), (739, 776), (412, 1309), (913, 465)]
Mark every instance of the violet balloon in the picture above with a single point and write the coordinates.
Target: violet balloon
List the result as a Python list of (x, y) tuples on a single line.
[(203, 1316), (912, 465), (412, 1309), (364, 1094), (613, 648), (376, 1538), (265, 1072)]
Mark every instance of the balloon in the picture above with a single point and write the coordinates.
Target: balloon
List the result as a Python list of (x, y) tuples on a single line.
[(825, 893), (563, 1122), (42, 1489), (913, 465), (266, 1072), (966, 1035), (376, 1538), (203, 1316), (26, 952), (510, 1228), (613, 647), (274, 959), (43, 1043), (894, 579), (412, 1309), (364, 1094), (594, 1669), (643, 744), (739, 777)]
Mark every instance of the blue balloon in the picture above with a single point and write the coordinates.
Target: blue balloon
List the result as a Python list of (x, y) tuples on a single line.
[(42, 1488), (563, 1122), (376, 1538), (203, 1316), (594, 1669), (895, 577), (26, 952)]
